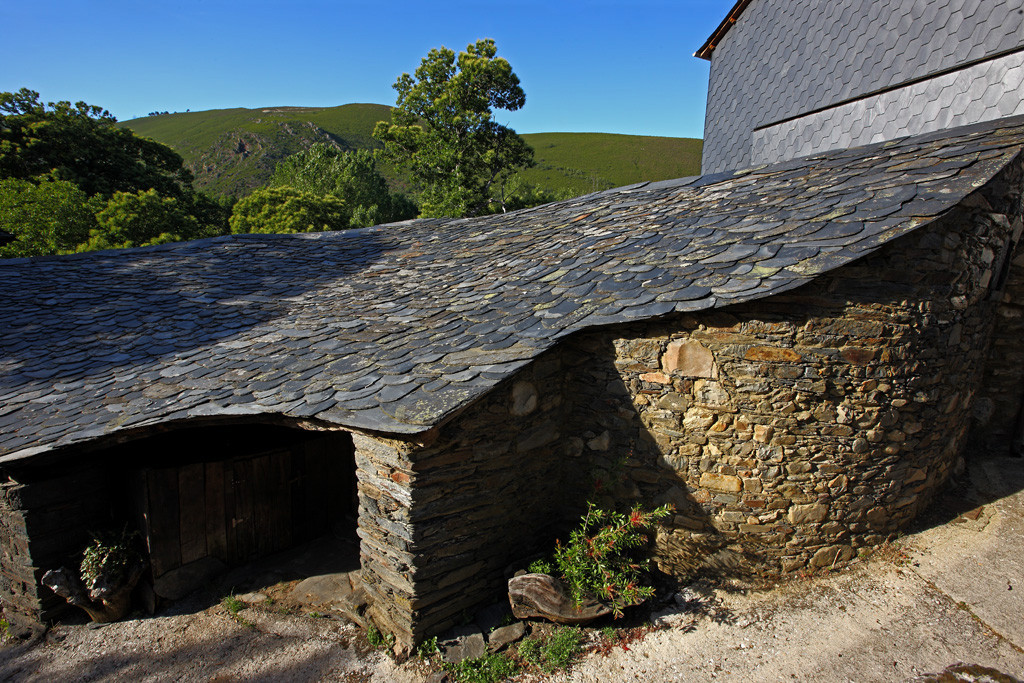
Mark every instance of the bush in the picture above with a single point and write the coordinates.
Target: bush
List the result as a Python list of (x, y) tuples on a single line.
[(559, 651), (287, 210), (487, 669), (109, 557), (598, 560), (554, 652), (47, 216)]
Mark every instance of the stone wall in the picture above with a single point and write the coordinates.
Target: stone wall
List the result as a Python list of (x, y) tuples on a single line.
[(440, 523), (45, 522), (794, 430), (999, 410), (18, 600), (788, 432)]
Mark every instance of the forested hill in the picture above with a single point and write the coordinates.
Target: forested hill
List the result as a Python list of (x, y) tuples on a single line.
[(234, 151)]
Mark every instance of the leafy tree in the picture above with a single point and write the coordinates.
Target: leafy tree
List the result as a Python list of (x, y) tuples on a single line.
[(287, 210), (47, 217), (80, 143), (351, 177), (74, 181), (136, 219), (443, 131)]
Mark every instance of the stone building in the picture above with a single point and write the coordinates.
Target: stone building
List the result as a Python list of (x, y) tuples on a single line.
[(794, 77), (794, 355)]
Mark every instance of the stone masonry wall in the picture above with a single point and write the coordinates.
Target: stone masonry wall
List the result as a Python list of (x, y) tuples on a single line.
[(999, 410), (789, 432), (45, 521), (792, 431), (18, 600), (440, 523)]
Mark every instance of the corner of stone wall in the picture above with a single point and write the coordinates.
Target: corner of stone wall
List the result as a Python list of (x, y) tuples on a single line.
[(19, 598), (385, 477), (440, 522), (998, 411)]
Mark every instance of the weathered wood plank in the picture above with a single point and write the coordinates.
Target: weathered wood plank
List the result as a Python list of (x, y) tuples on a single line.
[(297, 487), (192, 512), (282, 499), (245, 519), (262, 505), (317, 489), (230, 513), (216, 515), (165, 542)]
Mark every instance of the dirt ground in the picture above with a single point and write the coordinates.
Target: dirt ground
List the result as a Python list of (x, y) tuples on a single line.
[(952, 590)]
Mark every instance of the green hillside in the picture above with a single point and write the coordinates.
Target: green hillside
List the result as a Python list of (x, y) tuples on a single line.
[(233, 151), (586, 162)]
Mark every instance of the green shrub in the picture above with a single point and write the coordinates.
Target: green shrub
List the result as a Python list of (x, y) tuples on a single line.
[(559, 651), (529, 650), (598, 560), (232, 604), (541, 566), (109, 556), (428, 648), (377, 639), (553, 652), (490, 668), (287, 210)]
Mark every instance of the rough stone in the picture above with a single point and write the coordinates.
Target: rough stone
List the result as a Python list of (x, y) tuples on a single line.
[(807, 514), (689, 358), (504, 635), (524, 398), (721, 482)]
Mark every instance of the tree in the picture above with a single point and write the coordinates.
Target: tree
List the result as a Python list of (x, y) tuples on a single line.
[(80, 143), (351, 177), (442, 130), (73, 181), (287, 210), (47, 217), (137, 219)]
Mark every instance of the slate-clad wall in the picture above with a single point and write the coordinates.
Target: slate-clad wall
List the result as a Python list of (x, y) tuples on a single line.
[(792, 431), (785, 58), (439, 524)]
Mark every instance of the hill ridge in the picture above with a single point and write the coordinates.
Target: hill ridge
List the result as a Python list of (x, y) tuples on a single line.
[(233, 151)]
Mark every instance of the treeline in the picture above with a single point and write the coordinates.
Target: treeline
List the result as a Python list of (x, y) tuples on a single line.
[(72, 181)]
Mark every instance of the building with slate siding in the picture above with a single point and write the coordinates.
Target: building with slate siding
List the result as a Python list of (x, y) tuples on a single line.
[(797, 77), (796, 355)]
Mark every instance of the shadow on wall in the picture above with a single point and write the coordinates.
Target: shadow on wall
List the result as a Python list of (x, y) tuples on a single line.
[(621, 462)]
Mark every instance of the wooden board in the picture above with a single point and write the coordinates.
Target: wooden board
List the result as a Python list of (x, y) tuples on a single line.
[(216, 515), (164, 539), (192, 512)]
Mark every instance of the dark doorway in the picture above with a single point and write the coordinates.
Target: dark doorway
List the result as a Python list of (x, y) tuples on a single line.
[(240, 493)]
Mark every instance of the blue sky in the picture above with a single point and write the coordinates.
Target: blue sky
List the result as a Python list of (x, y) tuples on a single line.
[(601, 65)]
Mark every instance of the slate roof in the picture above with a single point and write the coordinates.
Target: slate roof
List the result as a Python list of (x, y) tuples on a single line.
[(393, 328)]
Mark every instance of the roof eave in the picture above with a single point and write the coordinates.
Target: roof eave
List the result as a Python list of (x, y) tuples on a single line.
[(716, 37)]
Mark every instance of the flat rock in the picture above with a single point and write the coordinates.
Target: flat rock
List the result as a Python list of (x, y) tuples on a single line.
[(469, 646), (541, 595), (500, 637), (323, 589), (177, 583)]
